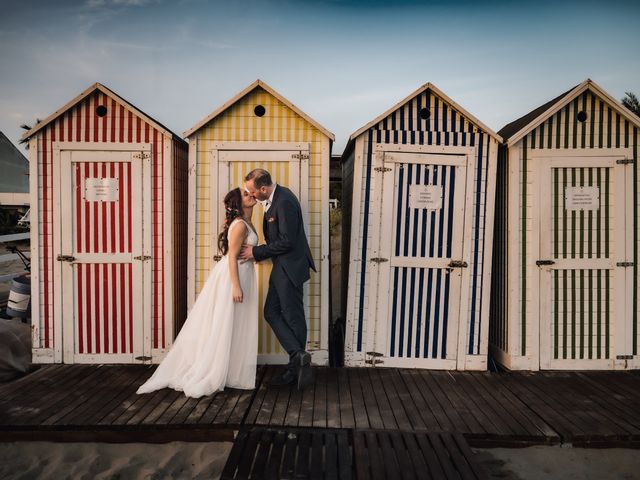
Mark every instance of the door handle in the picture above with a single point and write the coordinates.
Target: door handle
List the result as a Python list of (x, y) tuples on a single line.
[(65, 258)]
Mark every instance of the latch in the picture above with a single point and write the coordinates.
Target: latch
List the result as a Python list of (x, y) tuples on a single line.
[(379, 260), (624, 357), (217, 258), (141, 155), (382, 169), (624, 161), (624, 264), (143, 358), (66, 258), (375, 358), (540, 263), (300, 156), (457, 264), (142, 257)]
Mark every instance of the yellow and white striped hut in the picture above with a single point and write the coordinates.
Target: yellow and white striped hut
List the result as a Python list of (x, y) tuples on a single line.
[(565, 283), (260, 128)]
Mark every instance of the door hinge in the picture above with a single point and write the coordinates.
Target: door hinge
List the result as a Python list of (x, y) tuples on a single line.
[(142, 155), (143, 358), (624, 264), (624, 357), (382, 169), (65, 258), (457, 264), (375, 358), (544, 262), (217, 258), (300, 156), (142, 257), (624, 161), (379, 260)]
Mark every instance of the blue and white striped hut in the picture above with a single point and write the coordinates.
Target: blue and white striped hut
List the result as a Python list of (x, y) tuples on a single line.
[(565, 292), (418, 204)]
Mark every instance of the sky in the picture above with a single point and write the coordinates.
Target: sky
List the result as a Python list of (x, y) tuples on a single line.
[(343, 62)]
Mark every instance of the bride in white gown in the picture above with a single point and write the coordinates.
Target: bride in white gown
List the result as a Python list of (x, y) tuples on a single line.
[(218, 344)]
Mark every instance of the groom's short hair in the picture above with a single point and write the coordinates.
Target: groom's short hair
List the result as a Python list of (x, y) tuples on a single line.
[(261, 178)]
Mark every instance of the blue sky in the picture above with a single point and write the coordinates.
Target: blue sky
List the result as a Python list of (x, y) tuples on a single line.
[(341, 61)]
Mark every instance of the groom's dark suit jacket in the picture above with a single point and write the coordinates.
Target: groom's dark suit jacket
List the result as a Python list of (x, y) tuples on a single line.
[(287, 244)]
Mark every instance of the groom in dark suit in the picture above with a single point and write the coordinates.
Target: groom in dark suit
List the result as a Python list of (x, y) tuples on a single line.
[(288, 249)]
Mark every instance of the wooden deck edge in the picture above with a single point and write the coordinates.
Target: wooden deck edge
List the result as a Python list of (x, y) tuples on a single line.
[(120, 434)]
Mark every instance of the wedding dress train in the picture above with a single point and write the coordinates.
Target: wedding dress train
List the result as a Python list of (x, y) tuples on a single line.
[(218, 343)]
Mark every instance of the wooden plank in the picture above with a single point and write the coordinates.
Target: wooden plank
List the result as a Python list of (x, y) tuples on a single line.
[(376, 388), (99, 397), (215, 404), (242, 406), (64, 392), (185, 411), (272, 470), (156, 413), (154, 400), (432, 413), (532, 424), (331, 456), (494, 422), (82, 397), (304, 447), (129, 384), (460, 462), (248, 453), (344, 454), (450, 411), (477, 468), (320, 398), (232, 396), (462, 405), (440, 450), (417, 460), (436, 470), (46, 375), (289, 458), (201, 407), (333, 399), (137, 402), (622, 405), (280, 408), (307, 406), (398, 403), (317, 456), (268, 404), (347, 419), (359, 410), (233, 460), (262, 454), (258, 397), (292, 418), (402, 455)]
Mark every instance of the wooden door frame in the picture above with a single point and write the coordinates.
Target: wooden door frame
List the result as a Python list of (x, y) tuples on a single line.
[(543, 162), (379, 292), (219, 187), (63, 298)]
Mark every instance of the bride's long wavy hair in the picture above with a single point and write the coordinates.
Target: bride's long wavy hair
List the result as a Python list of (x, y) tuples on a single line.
[(233, 210)]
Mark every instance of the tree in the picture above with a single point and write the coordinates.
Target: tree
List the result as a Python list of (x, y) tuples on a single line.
[(631, 102)]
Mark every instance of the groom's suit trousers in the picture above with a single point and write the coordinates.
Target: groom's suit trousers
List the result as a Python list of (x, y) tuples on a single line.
[(284, 311)]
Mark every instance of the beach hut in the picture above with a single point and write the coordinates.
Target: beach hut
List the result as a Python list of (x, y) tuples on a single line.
[(418, 203), (565, 290), (258, 127), (108, 191)]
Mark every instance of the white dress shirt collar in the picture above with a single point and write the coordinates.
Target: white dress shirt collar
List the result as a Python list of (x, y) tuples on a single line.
[(269, 201)]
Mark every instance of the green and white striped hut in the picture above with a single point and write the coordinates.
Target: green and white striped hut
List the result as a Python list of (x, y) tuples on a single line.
[(565, 283)]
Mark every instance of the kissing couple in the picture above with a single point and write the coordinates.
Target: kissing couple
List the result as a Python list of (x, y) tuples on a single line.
[(218, 343)]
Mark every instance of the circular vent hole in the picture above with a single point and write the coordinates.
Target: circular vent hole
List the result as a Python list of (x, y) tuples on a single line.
[(582, 116), (101, 111), (425, 113), (259, 110)]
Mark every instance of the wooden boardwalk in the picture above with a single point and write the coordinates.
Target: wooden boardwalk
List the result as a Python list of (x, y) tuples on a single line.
[(88, 402)]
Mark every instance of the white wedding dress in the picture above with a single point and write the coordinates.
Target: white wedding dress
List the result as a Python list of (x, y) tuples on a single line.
[(218, 343)]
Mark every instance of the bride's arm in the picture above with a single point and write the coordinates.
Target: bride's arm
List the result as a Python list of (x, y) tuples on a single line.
[(236, 238)]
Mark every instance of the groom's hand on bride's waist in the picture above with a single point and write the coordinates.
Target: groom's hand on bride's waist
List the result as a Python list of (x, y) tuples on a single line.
[(246, 254)]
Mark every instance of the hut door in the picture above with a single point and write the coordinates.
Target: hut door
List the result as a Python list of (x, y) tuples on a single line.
[(420, 260), (289, 168), (585, 301), (103, 260)]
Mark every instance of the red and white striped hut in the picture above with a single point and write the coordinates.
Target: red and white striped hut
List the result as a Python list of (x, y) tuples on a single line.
[(108, 238)]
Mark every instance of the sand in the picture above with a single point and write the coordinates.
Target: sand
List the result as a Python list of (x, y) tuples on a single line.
[(560, 463), (45, 460)]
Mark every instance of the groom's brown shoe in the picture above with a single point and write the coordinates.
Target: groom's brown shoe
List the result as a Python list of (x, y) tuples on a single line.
[(287, 377), (303, 367)]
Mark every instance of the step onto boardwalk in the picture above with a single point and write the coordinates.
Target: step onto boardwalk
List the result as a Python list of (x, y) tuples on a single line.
[(319, 453), (89, 403)]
